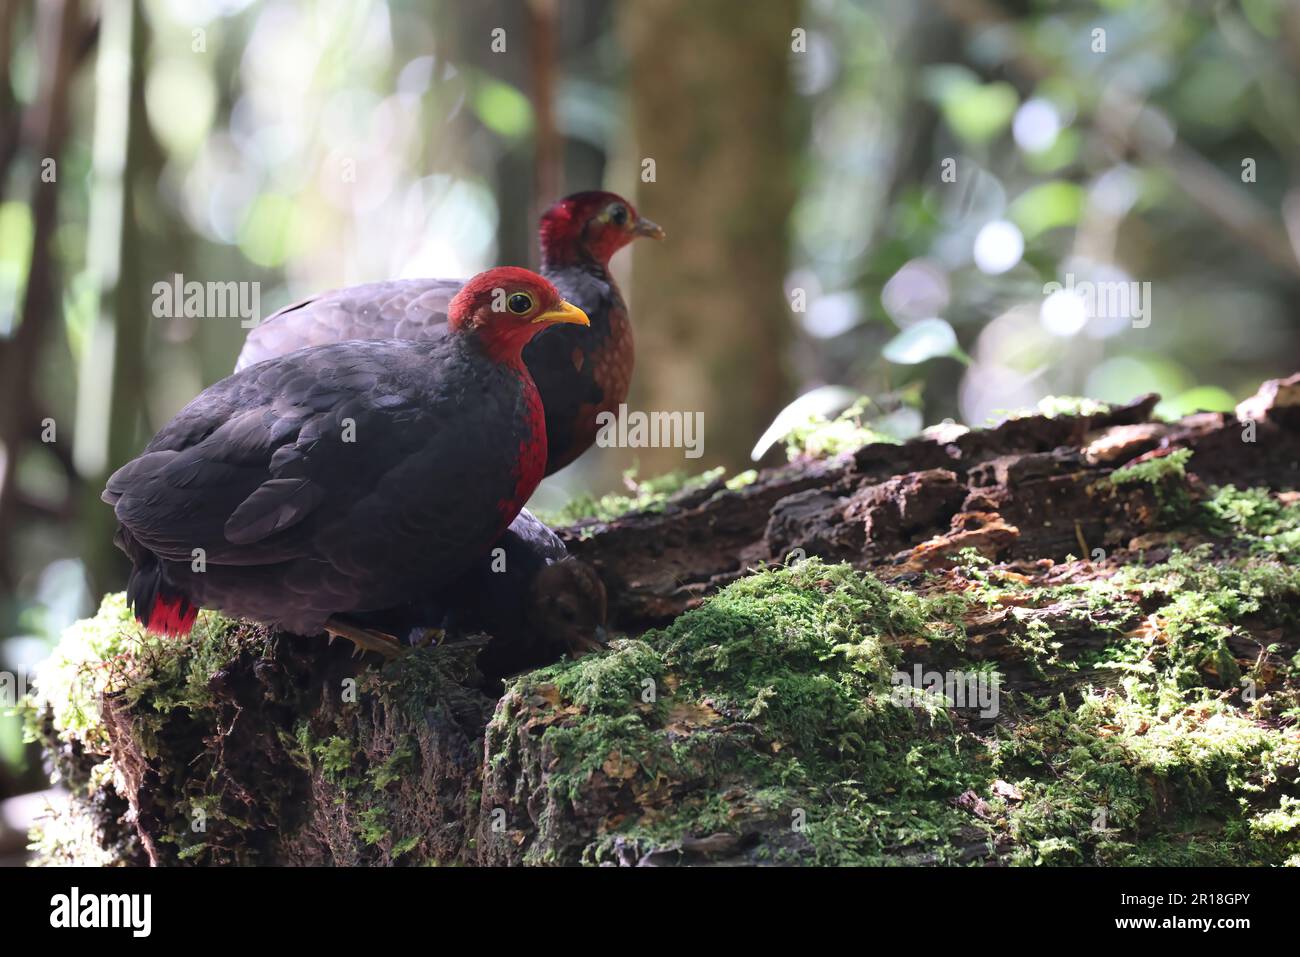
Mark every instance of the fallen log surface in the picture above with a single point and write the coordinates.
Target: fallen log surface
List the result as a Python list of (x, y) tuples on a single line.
[(1067, 639)]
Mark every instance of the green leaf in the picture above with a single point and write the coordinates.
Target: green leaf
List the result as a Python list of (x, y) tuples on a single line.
[(1204, 398), (503, 109), (979, 112), (1046, 207), (267, 235), (924, 340)]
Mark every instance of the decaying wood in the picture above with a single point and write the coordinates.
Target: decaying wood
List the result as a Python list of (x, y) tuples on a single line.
[(1024, 490)]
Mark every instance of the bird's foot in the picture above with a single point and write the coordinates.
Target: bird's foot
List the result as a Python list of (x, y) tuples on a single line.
[(365, 639)]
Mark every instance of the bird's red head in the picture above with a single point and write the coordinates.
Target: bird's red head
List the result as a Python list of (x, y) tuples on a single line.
[(591, 227), (507, 306)]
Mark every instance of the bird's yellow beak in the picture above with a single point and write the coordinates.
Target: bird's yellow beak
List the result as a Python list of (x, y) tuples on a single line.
[(648, 228), (564, 312)]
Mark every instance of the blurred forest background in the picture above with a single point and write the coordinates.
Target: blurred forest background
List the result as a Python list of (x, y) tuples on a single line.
[(815, 249)]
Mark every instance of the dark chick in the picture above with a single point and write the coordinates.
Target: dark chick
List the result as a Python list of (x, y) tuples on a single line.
[(567, 607), (579, 373), (536, 602), (562, 613), (342, 478)]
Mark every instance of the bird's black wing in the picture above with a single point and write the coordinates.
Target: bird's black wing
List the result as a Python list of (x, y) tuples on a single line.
[(398, 309), (339, 453)]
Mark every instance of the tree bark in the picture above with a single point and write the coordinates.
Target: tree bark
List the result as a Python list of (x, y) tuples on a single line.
[(1020, 550), (715, 111)]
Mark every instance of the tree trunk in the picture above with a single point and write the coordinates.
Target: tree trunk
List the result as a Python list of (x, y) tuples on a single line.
[(714, 110), (1066, 639)]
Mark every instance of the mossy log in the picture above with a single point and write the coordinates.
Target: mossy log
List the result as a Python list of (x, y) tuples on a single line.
[(1068, 639)]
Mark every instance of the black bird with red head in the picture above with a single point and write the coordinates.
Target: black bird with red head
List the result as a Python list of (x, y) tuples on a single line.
[(342, 478)]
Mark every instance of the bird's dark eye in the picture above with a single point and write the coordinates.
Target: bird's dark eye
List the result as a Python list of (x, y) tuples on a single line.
[(519, 303), (618, 215)]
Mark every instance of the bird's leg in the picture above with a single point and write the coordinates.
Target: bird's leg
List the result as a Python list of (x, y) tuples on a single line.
[(366, 639)]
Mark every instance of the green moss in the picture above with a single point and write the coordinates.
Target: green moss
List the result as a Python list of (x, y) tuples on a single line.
[(159, 685), (372, 825), (1102, 776), (803, 646), (1203, 604), (607, 683), (186, 719), (373, 778), (1154, 471), (393, 767), (335, 755), (110, 654), (1169, 744), (1271, 526), (404, 846), (1281, 825), (742, 479), (1037, 642), (62, 837), (800, 654), (834, 769), (1054, 406), (70, 683), (650, 495), (1167, 476), (820, 437)]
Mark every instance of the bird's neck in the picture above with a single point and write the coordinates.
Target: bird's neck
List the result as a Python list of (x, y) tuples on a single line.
[(503, 345), (573, 255), (530, 461), (562, 244), (506, 352)]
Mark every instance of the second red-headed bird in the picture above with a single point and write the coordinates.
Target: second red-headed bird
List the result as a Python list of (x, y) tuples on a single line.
[(345, 477)]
